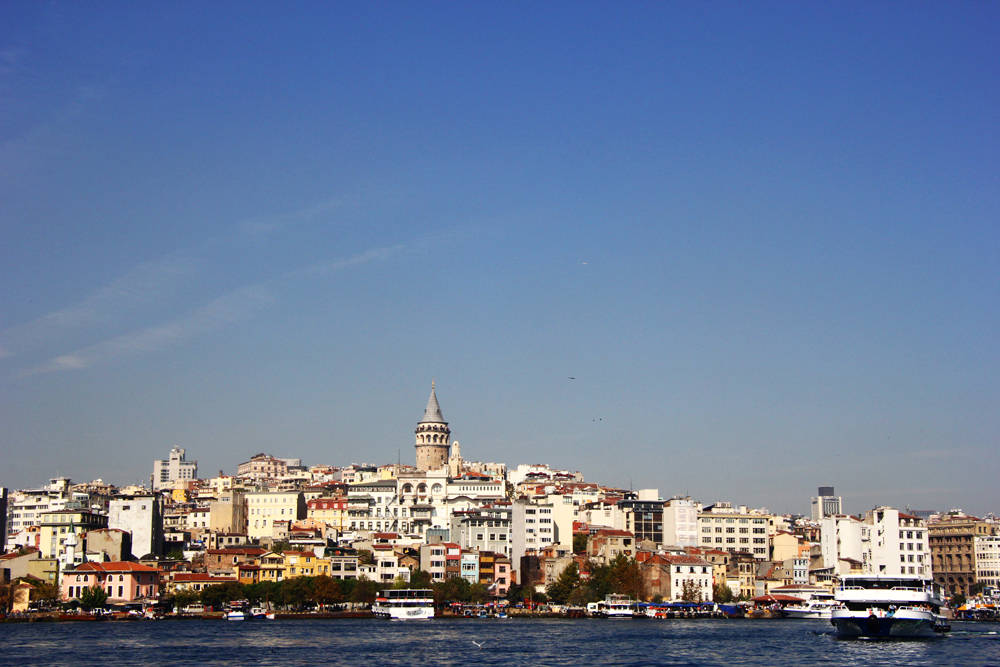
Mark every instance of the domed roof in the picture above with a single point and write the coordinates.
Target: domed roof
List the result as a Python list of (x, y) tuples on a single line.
[(432, 414)]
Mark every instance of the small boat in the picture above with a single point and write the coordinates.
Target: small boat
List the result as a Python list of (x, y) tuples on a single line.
[(405, 604), (815, 608), (238, 615)]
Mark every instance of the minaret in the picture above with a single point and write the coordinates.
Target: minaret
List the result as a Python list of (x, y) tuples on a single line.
[(433, 437)]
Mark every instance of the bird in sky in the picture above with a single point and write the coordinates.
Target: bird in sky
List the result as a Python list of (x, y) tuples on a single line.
[(572, 378)]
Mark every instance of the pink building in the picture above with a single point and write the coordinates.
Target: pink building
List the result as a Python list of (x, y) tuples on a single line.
[(123, 581)]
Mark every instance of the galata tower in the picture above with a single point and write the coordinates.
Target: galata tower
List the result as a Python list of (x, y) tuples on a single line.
[(433, 437)]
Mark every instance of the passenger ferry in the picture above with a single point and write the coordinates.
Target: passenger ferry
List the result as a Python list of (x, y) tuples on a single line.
[(613, 606), (901, 606), (405, 604)]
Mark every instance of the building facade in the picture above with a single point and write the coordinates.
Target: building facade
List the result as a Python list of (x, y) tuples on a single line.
[(174, 469)]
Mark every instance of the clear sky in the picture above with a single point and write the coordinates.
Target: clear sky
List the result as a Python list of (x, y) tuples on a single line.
[(761, 237)]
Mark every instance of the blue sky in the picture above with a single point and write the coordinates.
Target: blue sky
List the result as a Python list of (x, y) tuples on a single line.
[(762, 237)]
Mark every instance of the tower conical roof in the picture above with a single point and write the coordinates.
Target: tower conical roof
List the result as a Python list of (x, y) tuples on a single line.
[(433, 412)]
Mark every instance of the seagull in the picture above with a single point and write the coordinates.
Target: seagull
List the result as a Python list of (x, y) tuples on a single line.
[(572, 378), (478, 644)]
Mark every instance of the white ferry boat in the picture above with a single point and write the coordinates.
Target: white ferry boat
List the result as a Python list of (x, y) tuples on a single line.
[(815, 608), (613, 606), (405, 604), (877, 606)]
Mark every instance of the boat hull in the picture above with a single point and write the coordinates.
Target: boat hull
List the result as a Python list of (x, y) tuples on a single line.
[(405, 613), (903, 623)]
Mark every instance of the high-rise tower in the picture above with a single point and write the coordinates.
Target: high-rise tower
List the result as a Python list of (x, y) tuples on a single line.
[(433, 437)]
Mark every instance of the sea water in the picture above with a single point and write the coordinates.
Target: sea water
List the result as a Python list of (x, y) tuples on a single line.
[(466, 642)]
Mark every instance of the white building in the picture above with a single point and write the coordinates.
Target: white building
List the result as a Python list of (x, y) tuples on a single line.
[(884, 542), (987, 548), (142, 516), (26, 507), (266, 511), (486, 529), (680, 522), (540, 524), (727, 528), (174, 469)]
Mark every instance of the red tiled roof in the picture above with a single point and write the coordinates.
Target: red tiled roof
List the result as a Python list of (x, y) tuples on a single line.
[(188, 577), (116, 566)]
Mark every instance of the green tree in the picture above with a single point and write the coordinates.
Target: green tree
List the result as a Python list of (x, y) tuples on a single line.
[(690, 591), (183, 598), (325, 591), (722, 593), (364, 591), (420, 579), (280, 547), (297, 591), (218, 595), (579, 543), (478, 593), (93, 597), (957, 600), (365, 557), (564, 585)]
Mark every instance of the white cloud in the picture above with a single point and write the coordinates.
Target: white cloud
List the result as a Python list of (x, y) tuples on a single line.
[(232, 308)]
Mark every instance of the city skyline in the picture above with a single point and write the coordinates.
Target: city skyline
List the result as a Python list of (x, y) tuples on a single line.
[(733, 251)]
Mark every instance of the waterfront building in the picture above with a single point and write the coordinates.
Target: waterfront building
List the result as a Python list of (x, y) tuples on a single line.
[(432, 559), (123, 581), (469, 560), (174, 469), (987, 550), (678, 578), (952, 548), (826, 504), (899, 543)]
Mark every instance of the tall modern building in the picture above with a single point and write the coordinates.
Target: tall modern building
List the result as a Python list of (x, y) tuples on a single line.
[(826, 504), (433, 437), (174, 469)]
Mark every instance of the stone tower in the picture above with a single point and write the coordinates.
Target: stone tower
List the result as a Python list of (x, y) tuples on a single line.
[(433, 437)]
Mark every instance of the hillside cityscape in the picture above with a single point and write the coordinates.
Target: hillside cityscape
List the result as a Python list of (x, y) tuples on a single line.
[(476, 531)]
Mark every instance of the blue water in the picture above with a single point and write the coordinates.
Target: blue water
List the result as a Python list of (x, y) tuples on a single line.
[(364, 643)]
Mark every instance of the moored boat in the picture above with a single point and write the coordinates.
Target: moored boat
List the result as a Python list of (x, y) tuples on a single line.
[(900, 606), (815, 608)]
